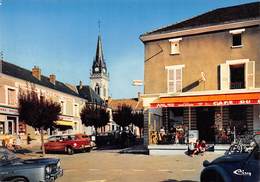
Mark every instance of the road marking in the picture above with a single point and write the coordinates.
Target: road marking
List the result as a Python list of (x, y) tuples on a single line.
[(164, 170), (137, 170), (93, 169), (188, 170)]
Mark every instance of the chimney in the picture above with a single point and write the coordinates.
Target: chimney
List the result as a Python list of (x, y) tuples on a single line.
[(52, 79), (80, 84), (36, 72)]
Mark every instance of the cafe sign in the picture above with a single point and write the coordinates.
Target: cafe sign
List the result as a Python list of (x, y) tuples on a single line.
[(206, 103)]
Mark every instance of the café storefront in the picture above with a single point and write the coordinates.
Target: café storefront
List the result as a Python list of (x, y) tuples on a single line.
[(217, 118)]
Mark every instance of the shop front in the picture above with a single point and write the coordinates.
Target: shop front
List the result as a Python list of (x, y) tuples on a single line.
[(218, 119), (9, 124), (66, 125)]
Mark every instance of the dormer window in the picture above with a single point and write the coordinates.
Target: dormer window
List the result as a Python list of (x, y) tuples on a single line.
[(236, 37), (175, 46)]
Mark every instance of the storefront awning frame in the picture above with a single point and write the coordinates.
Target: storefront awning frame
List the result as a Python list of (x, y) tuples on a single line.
[(207, 100)]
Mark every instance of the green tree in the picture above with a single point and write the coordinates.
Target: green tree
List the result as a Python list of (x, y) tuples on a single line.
[(123, 115), (95, 115), (38, 112)]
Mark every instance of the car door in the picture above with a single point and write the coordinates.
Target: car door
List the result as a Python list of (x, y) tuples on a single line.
[(251, 171)]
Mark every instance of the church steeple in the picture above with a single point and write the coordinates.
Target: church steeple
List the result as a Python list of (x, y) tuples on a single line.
[(99, 77), (99, 65)]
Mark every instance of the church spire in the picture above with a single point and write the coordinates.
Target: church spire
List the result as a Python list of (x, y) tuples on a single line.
[(99, 64)]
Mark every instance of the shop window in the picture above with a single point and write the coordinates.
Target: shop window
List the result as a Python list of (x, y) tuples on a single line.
[(174, 79), (238, 119), (11, 96)]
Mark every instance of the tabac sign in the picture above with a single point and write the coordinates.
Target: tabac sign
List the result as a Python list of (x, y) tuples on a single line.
[(6, 110), (206, 103)]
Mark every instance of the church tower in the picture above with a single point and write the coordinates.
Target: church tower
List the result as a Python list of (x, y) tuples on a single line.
[(99, 77)]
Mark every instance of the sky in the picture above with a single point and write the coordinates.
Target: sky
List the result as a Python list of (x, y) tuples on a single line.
[(60, 36)]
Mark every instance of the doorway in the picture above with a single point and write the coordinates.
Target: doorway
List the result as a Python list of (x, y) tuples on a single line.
[(205, 123)]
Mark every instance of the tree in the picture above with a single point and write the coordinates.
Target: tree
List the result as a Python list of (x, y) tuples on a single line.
[(38, 112), (95, 115), (138, 120), (123, 115)]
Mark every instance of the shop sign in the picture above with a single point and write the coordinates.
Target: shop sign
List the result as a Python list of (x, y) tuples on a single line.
[(5, 110), (206, 103), (66, 118)]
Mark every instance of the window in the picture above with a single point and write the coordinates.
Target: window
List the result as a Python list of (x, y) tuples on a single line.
[(62, 104), (237, 40), (11, 96), (97, 89), (237, 37), (175, 45), (237, 76), (76, 110), (174, 80)]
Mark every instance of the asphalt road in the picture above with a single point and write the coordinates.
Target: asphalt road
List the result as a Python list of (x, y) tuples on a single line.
[(110, 166)]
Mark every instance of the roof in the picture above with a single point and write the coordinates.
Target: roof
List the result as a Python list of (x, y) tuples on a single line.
[(88, 93), (99, 61), (133, 102), (24, 74), (218, 16)]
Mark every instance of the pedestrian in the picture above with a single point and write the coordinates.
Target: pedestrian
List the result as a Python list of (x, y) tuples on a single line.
[(197, 148), (29, 139), (203, 147)]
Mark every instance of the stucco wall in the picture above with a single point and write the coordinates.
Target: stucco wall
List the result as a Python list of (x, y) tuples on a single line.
[(199, 53)]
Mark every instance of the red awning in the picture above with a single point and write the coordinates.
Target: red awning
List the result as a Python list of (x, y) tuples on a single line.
[(207, 100)]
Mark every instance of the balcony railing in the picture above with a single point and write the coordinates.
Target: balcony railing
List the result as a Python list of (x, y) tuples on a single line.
[(237, 85)]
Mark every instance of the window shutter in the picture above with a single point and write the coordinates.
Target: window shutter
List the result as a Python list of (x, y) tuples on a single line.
[(171, 78), (250, 77), (224, 76), (178, 80)]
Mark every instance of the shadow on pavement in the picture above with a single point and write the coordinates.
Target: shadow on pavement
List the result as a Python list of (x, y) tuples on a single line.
[(173, 180)]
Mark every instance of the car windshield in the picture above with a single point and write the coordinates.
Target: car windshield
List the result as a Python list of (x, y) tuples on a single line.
[(6, 155)]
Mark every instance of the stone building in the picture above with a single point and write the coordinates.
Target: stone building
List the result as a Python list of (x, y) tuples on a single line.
[(203, 74), (72, 98)]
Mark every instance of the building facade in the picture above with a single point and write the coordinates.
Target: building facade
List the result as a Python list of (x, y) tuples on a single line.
[(15, 80), (99, 77), (203, 74)]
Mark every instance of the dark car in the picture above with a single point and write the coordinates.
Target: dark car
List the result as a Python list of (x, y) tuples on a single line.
[(14, 169), (68, 143), (239, 167)]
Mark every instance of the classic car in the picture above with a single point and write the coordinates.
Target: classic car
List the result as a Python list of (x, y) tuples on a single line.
[(14, 169), (238, 167), (68, 143)]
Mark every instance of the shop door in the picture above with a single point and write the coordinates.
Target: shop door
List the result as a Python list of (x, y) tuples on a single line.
[(205, 124)]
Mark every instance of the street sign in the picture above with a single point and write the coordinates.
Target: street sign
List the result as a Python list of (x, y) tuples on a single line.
[(137, 83)]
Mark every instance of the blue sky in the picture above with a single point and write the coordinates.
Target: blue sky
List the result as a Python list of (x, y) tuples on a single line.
[(60, 36)]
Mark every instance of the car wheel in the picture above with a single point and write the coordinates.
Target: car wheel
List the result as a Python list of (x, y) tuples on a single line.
[(87, 149), (70, 150), (212, 177), (18, 180)]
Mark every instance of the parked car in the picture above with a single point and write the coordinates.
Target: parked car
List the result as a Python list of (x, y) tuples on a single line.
[(14, 169), (68, 143), (239, 167)]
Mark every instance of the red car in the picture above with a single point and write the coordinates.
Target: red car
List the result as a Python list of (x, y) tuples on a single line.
[(68, 143)]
